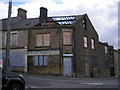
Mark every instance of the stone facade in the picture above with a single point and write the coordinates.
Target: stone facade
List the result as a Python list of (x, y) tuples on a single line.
[(17, 49), (63, 45), (106, 57)]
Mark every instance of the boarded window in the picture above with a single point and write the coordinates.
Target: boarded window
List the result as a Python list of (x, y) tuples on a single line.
[(106, 63), (39, 40), (85, 42), (43, 40), (106, 49), (36, 60), (45, 60), (94, 61), (46, 39), (41, 60), (67, 38), (13, 38), (92, 43), (84, 24)]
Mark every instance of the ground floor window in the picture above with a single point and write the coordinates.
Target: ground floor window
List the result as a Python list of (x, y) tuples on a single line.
[(40, 60)]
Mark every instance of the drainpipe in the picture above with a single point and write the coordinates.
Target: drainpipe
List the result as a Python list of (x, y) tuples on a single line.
[(74, 53)]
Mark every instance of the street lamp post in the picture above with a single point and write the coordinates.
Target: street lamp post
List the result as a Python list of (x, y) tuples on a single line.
[(7, 60)]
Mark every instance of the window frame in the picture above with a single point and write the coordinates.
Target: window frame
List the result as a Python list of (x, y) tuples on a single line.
[(44, 44), (106, 49), (85, 42), (41, 61), (11, 38), (43, 38), (84, 24), (16, 38), (94, 61), (107, 64), (70, 38), (92, 43)]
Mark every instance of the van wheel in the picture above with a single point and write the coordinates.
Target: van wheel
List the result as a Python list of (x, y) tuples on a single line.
[(15, 87)]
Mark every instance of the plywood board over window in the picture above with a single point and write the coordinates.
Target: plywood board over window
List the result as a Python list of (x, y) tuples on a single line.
[(46, 39), (42, 40), (106, 49), (13, 38), (92, 43), (67, 38), (40, 60), (85, 42), (39, 40)]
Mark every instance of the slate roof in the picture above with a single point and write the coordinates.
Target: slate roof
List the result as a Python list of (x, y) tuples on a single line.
[(20, 23)]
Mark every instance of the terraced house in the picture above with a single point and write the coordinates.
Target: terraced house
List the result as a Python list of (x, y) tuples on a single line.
[(60, 45)]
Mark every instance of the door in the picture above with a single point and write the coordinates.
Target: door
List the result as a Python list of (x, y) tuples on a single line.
[(67, 66)]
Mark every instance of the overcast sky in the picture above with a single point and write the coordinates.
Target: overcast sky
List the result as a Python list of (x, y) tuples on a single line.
[(102, 13)]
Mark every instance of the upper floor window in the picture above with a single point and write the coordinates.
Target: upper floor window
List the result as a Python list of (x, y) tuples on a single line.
[(67, 38), (43, 40), (13, 38), (84, 24), (106, 49), (85, 42), (92, 43)]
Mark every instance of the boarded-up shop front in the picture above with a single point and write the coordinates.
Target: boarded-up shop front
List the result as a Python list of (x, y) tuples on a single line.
[(44, 62), (17, 59)]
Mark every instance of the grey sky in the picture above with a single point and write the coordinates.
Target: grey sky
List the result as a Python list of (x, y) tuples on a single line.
[(102, 13)]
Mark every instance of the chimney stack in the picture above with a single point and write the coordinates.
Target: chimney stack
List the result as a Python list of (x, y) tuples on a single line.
[(22, 13), (43, 14), (105, 43)]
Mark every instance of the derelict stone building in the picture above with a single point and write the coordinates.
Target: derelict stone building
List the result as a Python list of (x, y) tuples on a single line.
[(60, 45)]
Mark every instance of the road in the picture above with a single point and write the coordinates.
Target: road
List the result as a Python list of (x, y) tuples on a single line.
[(39, 81)]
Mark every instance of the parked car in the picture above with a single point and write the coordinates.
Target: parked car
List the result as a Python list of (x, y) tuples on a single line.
[(12, 81)]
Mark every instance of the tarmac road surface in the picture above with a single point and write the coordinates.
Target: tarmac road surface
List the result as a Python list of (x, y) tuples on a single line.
[(56, 82)]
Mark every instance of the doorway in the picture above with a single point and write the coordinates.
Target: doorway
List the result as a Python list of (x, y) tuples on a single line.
[(67, 66)]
